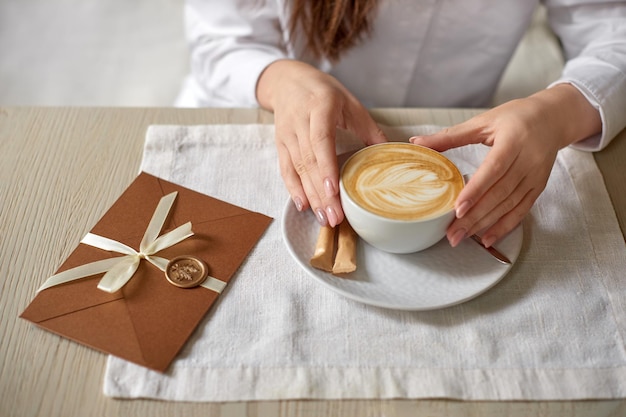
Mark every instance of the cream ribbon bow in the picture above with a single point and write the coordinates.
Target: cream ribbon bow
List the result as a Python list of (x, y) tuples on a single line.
[(121, 269)]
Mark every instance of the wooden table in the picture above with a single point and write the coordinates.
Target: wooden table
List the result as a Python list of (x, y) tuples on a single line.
[(61, 168)]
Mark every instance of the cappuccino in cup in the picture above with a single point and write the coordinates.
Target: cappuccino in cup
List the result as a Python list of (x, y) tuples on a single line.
[(399, 197)]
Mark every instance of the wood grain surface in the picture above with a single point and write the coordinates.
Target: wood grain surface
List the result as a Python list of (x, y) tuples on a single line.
[(61, 168)]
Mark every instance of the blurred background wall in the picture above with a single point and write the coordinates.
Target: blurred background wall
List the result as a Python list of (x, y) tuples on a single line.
[(91, 52)]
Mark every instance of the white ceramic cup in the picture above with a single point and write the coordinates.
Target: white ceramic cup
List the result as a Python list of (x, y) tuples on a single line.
[(399, 197)]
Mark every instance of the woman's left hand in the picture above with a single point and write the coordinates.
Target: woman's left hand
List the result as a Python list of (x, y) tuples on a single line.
[(525, 136)]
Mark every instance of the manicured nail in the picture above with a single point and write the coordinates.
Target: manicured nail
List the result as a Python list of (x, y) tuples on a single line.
[(298, 202), (457, 237), (329, 188), (462, 209), (488, 240), (331, 215), (321, 217)]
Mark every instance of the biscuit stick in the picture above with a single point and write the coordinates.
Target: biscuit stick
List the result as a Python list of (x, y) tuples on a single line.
[(345, 261), (324, 249)]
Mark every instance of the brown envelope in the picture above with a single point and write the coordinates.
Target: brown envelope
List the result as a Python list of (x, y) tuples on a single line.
[(148, 321)]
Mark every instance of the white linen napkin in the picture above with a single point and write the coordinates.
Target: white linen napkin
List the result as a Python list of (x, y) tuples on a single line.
[(553, 329)]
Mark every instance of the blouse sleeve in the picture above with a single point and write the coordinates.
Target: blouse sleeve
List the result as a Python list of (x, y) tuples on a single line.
[(231, 42), (593, 36)]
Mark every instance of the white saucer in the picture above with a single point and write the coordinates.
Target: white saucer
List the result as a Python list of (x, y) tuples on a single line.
[(438, 277)]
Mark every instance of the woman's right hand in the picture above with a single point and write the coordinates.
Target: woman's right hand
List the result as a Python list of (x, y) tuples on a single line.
[(308, 106)]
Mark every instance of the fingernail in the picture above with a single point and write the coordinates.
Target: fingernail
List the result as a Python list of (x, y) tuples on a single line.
[(331, 215), (321, 217), (462, 209), (328, 186), (457, 237), (488, 240), (412, 139), (298, 202)]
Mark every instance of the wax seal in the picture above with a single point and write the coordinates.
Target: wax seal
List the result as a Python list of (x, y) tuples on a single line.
[(186, 271)]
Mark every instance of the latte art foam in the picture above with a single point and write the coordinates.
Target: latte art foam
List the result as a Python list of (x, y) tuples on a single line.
[(402, 181)]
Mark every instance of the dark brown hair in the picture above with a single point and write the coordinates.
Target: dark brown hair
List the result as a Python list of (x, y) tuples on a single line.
[(332, 26)]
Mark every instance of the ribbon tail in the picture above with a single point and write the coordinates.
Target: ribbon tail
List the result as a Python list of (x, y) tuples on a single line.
[(157, 220), (170, 238), (107, 244), (214, 284), (159, 262), (119, 274), (82, 271)]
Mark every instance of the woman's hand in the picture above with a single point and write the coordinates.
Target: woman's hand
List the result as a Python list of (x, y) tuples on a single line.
[(308, 106), (525, 136)]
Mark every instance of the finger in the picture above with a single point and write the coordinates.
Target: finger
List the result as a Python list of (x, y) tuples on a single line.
[(494, 167), (323, 124), (319, 187), (497, 203), (296, 165), (291, 178), (510, 221), (302, 168), (452, 137), (358, 120), (322, 142), (322, 129), (479, 187)]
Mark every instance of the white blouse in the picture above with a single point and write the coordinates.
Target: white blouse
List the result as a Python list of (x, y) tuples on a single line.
[(421, 53)]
